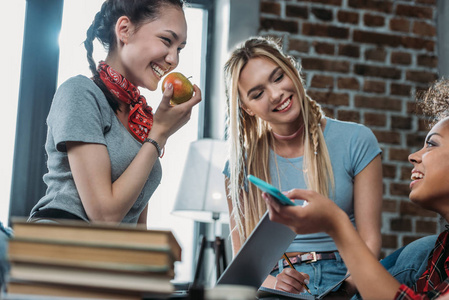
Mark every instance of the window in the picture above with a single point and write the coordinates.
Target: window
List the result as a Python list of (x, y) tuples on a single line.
[(13, 19)]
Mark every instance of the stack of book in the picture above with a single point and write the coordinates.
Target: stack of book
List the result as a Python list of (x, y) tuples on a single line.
[(76, 259)]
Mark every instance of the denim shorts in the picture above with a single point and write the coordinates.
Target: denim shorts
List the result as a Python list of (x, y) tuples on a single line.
[(323, 273)]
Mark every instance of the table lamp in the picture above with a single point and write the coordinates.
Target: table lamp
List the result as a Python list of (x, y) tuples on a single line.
[(202, 194)]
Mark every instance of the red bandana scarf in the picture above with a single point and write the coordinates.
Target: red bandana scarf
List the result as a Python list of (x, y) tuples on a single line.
[(140, 117)]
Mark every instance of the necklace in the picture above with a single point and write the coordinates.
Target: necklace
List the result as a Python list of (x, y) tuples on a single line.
[(288, 137)]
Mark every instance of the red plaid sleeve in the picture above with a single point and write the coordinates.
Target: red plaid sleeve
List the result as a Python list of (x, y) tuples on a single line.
[(406, 293)]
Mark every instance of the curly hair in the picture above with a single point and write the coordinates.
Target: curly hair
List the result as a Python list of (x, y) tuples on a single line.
[(434, 102)]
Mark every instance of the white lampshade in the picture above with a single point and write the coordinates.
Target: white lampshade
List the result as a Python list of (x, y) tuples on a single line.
[(202, 191)]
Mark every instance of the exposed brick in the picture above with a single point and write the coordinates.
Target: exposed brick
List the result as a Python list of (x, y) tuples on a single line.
[(406, 172), (399, 189), (426, 226), (348, 115), (417, 43), (409, 208), (385, 72), (416, 139), (399, 122), (335, 32), (401, 224), (389, 241), (389, 205), (348, 17), (349, 50), (376, 5), (421, 76), (296, 11), (371, 86), (401, 58), (400, 24), (279, 25), (328, 2), (373, 20), (420, 12), (424, 28), (399, 154), (387, 137), (380, 103), (325, 65), (322, 81), (375, 119), (430, 61), (388, 171), (323, 14), (270, 8), (400, 89), (370, 37), (348, 83), (328, 111), (431, 2), (324, 48), (330, 98), (409, 239), (299, 45), (376, 54)]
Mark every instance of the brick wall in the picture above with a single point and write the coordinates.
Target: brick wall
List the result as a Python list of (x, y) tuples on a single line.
[(364, 60)]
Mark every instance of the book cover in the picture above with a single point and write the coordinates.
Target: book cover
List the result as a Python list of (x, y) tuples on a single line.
[(98, 233), (71, 252), (87, 276)]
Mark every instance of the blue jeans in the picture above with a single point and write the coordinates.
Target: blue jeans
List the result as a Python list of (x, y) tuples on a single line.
[(323, 273)]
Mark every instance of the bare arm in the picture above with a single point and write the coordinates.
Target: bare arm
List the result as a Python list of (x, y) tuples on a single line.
[(143, 216), (368, 204), (109, 201)]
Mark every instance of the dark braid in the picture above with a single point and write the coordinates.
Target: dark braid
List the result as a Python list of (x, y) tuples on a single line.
[(103, 28)]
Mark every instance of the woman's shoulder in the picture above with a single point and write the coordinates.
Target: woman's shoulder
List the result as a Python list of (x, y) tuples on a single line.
[(79, 89), (78, 82), (346, 128)]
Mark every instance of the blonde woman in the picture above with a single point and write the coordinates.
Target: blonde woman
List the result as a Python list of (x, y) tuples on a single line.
[(279, 134)]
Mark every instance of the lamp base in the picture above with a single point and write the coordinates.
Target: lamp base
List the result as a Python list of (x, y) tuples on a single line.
[(220, 258)]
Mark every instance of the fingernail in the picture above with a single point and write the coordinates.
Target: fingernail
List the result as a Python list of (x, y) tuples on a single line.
[(306, 281), (170, 85)]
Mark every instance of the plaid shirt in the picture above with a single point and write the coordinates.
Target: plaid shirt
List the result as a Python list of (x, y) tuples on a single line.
[(435, 280)]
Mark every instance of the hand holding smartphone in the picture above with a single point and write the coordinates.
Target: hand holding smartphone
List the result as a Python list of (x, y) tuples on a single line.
[(268, 188)]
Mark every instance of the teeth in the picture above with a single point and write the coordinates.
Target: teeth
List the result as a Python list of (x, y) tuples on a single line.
[(158, 70), (416, 176), (283, 106)]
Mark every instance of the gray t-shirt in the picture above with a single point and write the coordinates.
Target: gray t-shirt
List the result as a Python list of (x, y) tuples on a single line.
[(80, 112)]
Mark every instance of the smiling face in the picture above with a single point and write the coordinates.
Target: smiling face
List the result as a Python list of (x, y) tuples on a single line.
[(430, 183), (146, 53), (267, 92)]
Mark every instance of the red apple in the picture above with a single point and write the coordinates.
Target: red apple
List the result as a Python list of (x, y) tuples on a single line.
[(182, 87)]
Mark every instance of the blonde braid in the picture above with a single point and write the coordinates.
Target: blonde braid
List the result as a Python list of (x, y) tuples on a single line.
[(316, 114)]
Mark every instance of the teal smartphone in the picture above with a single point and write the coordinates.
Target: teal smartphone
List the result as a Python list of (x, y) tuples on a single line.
[(268, 188)]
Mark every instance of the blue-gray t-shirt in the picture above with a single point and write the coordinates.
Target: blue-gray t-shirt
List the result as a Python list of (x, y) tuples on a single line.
[(80, 112), (351, 148)]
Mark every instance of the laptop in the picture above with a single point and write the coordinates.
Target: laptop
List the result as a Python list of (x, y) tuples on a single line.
[(259, 254)]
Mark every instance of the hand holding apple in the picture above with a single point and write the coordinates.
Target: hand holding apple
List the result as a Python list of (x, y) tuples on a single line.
[(182, 87)]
